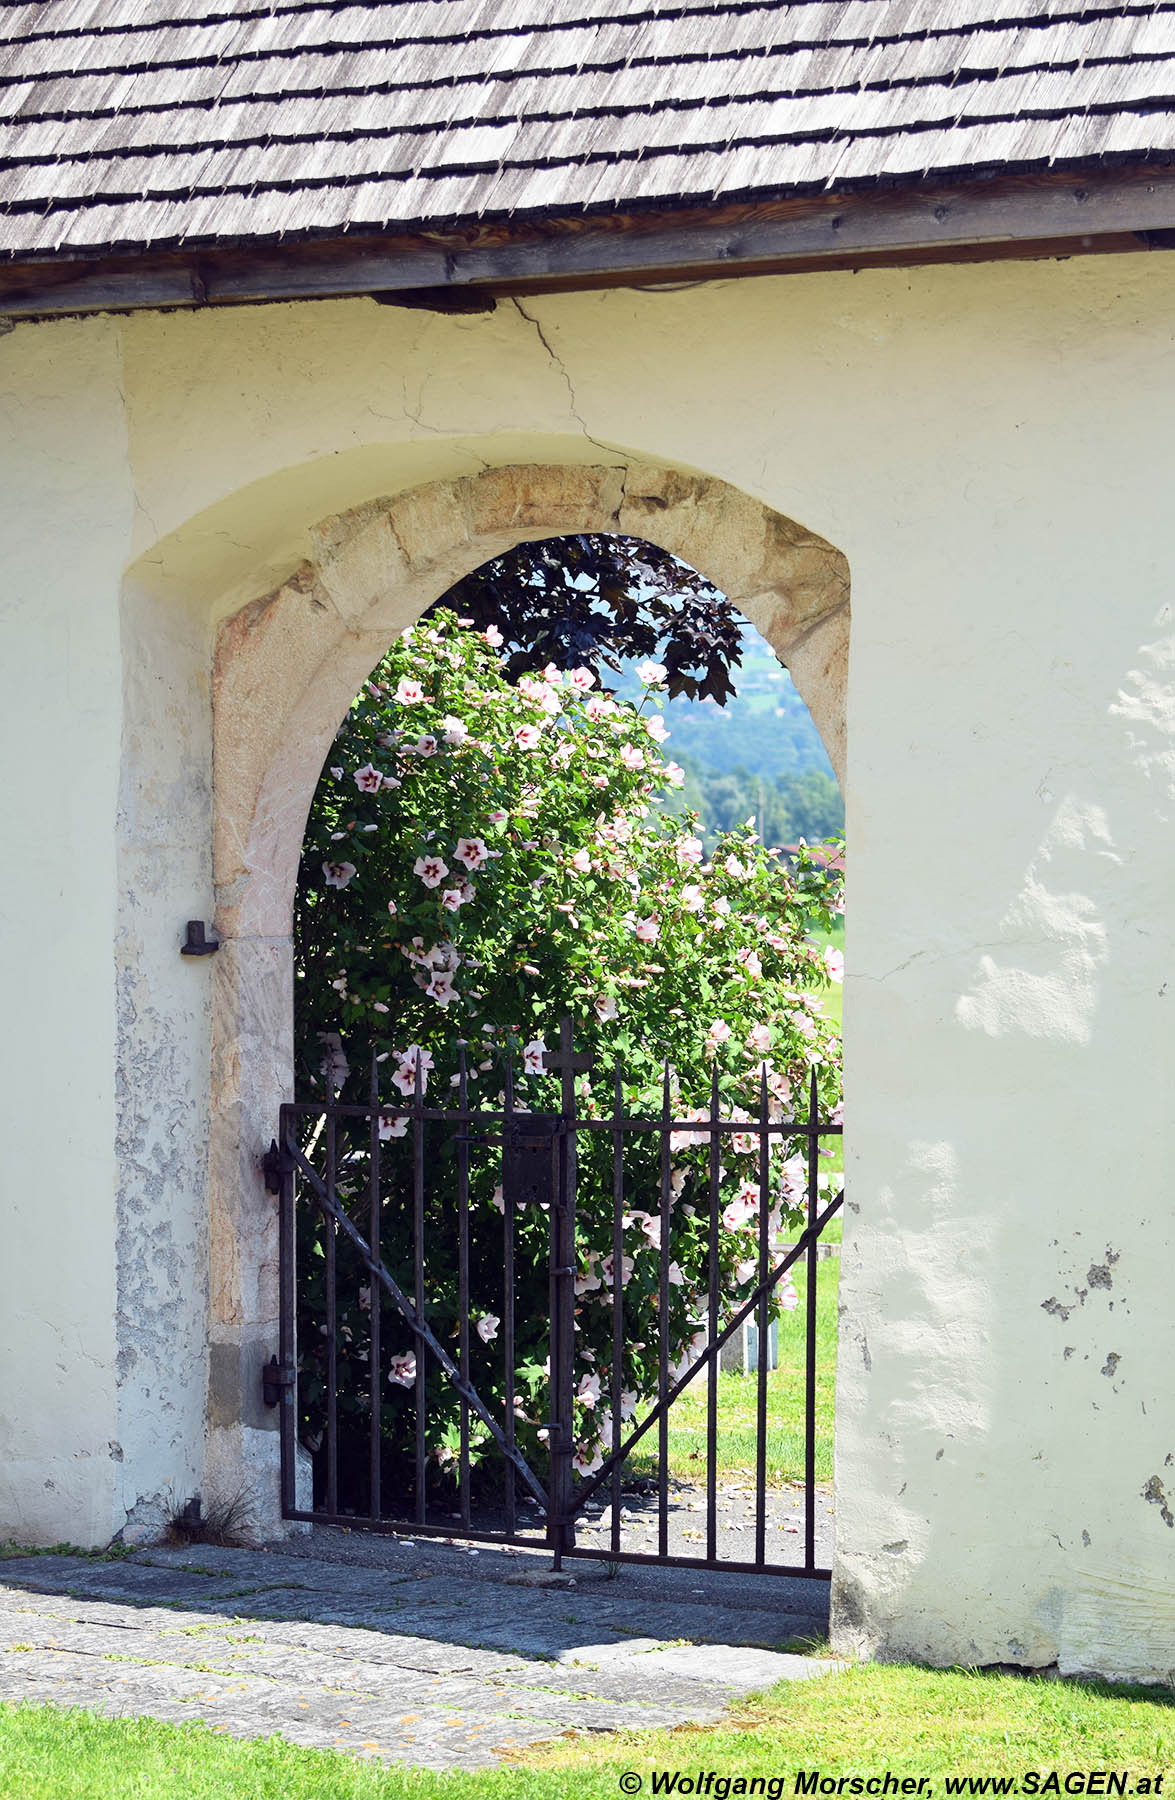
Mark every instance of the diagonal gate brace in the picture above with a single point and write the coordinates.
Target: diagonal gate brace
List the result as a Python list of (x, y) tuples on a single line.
[(378, 1269)]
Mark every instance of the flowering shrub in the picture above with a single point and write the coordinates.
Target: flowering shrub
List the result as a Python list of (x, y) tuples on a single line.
[(480, 859)]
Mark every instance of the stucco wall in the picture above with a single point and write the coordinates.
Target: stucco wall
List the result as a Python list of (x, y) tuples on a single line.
[(164, 1006), (66, 532), (989, 449)]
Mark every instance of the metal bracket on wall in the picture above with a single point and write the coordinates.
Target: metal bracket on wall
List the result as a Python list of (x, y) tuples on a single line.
[(195, 943)]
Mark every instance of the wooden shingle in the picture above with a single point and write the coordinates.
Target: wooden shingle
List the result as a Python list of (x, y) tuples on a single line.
[(149, 124)]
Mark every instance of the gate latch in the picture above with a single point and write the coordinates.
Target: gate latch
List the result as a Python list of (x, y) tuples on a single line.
[(528, 1174), (275, 1381), (274, 1164)]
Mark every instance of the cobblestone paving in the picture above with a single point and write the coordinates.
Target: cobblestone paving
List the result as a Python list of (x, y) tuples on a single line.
[(406, 1652)]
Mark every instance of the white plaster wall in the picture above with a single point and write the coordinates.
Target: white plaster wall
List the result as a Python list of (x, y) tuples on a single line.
[(162, 1050), (990, 449), (64, 536)]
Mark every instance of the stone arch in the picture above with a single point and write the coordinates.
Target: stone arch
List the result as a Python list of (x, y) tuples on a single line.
[(286, 667)]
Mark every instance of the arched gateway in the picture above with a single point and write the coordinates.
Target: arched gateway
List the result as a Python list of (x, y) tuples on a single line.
[(944, 340), (286, 667)]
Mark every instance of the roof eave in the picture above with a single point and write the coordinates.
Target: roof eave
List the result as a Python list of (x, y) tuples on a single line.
[(979, 218)]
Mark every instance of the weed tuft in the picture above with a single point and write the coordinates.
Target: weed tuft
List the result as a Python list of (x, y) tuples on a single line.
[(225, 1519)]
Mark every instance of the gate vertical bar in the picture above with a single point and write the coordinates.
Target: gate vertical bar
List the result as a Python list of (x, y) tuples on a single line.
[(663, 1330), (561, 1524), (463, 1281), (287, 1343), (418, 1296), (813, 1264), (332, 1352), (375, 1302), (764, 1322), (712, 1313), (508, 1285), (617, 1294)]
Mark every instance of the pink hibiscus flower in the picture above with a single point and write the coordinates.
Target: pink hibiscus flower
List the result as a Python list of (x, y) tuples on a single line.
[(472, 852), (338, 874), (406, 1062), (431, 869)]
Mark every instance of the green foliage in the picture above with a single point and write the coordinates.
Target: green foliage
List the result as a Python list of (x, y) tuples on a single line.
[(481, 858), (806, 804), (760, 756)]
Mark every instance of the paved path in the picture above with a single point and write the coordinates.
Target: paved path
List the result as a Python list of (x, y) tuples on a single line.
[(783, 1511), (405, 1652)]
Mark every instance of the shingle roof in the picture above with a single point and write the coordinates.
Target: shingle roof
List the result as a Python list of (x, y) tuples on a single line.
[(150, 124)]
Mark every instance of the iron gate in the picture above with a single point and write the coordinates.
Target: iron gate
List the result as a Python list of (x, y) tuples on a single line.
[(346, 1224)]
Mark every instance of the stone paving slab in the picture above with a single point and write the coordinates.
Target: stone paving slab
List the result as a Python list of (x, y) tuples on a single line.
[(414, 1656)]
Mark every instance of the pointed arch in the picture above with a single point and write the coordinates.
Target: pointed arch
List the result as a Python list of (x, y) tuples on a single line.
[(287, 666)]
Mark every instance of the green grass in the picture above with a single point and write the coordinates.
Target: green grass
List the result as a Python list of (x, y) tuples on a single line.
[(909, 1720), (785, 1404), (55, 1753), (111, 1553), (866, 1720)]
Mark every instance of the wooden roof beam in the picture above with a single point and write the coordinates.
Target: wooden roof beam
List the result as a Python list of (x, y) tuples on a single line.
[(1042, 215)]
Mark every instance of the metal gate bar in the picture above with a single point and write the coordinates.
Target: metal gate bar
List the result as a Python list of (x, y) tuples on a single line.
[(374, 1214), (463, 1314)]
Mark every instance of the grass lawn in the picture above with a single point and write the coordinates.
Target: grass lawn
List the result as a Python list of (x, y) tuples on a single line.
[(864, 1721), (908, 1720)]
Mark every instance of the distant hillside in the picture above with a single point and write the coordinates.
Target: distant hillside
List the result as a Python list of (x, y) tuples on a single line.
[(760, 754)]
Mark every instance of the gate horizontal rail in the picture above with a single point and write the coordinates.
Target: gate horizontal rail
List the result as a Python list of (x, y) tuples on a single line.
[(537, 1161)]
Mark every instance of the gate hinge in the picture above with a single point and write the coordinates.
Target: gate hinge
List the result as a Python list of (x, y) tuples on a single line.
[(275, 1381), (274, 1165)]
